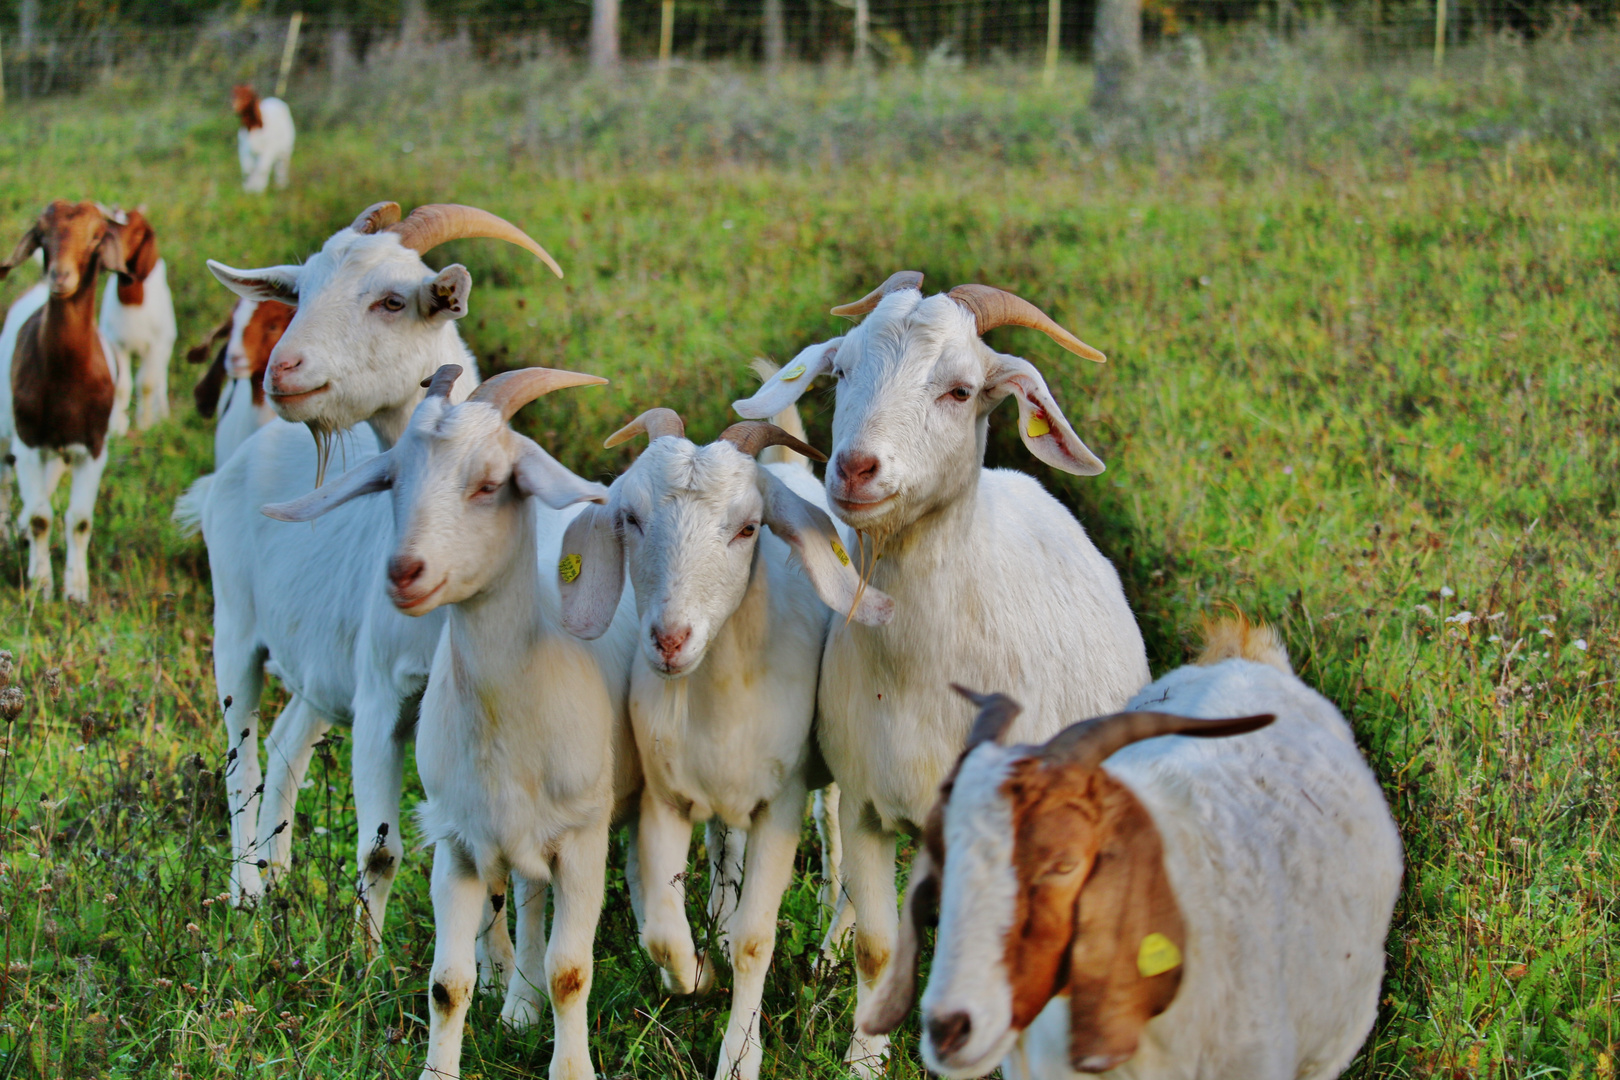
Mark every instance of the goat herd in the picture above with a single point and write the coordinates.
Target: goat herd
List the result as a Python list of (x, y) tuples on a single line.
[(1107, 895)]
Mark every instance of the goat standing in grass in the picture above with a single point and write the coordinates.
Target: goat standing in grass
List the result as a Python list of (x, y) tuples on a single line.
[(264, 143), (137, 318), (994, 582)]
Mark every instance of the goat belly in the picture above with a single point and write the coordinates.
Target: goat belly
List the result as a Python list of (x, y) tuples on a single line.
[(56, 406)]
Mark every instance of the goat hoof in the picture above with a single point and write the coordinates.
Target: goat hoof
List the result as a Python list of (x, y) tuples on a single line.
[(520, 1015)]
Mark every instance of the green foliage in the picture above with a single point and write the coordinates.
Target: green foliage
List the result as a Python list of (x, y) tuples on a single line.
[(1361, 381)]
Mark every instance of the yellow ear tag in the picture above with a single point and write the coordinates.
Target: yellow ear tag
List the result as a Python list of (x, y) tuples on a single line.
[(568, 567), (838, 550), (1038, 427), (793, 373), (1157, 955)]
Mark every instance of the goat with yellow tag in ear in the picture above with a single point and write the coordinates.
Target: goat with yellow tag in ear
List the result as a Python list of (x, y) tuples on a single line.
[(1122, 898)]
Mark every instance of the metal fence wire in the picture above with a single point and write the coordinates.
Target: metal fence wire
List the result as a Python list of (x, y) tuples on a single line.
[(42, 56)]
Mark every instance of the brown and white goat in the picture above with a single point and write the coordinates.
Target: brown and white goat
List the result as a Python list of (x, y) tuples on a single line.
[(246, 338), (264, 144), (61, 381), (137, 319)]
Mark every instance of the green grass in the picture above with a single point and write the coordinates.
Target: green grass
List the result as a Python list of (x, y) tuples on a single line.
[(1361, 380)]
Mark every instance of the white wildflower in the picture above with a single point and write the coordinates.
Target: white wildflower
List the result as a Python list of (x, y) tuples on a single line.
[(1579, 643), (1424, 610), (1446, 590), (1462, 618)]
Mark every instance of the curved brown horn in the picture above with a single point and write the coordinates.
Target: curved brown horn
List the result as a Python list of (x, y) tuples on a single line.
[(904, 279), (654, 423), (376, 217), (439, 383), (996, 714), (511, 390), (1090, 742), (752, 436), (993, 307), (438, 223)]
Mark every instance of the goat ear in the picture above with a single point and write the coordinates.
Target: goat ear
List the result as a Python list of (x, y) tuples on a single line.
[(1125, 960), (590, 573), (785, 387), (539, 475), (445, 297), (365, 478), (814, 539), (20, 254), (111, 251), (1041, 423), (144, 259), (279, 283), (199, 353), (206, 392), (892, 999)]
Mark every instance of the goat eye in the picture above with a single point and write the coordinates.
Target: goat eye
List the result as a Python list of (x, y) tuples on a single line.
[(746, 531), (960, 393), (392, 303), (1062, 869), (489, 487), (631, 521)]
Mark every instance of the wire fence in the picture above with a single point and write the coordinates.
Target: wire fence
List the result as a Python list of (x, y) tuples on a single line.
[(46, 60)]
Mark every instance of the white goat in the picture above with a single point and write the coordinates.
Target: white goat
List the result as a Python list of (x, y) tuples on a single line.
[(137, 318), (993, 581), (61, 399), (525, 748), (264, 143), (372, 320), (731, 631), (1219, 908)]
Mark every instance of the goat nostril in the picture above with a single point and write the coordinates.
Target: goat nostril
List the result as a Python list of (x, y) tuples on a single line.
[(857, 468), (403, 570), (949, 1033), (669, 642)]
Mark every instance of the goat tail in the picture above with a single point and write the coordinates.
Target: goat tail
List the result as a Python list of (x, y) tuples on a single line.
[(1234, 637), (188, 508), (788, 420)]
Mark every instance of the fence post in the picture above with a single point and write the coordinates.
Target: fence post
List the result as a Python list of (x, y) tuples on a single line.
[(666, 40), (863, 20), (1054, 29), (604, 34), (1439, 34), (2, 74), (289, 51)]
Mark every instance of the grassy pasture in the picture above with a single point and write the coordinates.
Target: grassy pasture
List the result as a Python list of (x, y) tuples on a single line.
[(1361, 329)]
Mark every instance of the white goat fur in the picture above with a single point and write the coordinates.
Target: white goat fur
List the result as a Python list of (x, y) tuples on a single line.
[(994, 584), (524, 748), (147, 331), (266, 149), (312, 599), (1285, 864), (723, 724)]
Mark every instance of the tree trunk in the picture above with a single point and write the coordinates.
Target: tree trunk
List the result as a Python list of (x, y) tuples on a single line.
[(775, 34), (604, 34), (413, 22), (1116, 52)]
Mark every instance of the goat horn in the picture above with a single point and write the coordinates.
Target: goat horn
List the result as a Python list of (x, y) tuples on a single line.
[(1090, 742), (439, 383), (376, 217), (437, 223), (511, 390), (996, 714), (993, 307), (654, 423), (752, 436), (904, 279)]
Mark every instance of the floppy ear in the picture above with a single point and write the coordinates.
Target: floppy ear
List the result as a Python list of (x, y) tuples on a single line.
[(539, 475), (20, 254), (590, 573), (786, 386), (363, 479), (1041, 423), (445, 297), (199, 353), (1125, 960), (111, 251), (892, 1000), (143, 260), (206, 392), (810, 533), (271, 283)]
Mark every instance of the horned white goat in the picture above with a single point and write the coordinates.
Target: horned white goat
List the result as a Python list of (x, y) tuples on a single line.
[(524, 749), (137, 318), (1116, 901), (236, 374), (993, 581), (264, 143), (735, 565), (59, 384), (372, 320)]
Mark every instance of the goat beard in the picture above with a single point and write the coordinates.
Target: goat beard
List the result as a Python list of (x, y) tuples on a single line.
[(326, 438), (869, 545)]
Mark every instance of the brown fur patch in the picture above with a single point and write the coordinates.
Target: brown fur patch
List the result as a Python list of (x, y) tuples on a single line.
[(270, 320), (870, 958), (1235, 637), (565, 984), (140, 257), (245, 103)]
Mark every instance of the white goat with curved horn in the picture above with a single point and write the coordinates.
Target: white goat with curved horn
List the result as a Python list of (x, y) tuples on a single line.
[(993, 581), (737, 571), (524, 749), (372, 323)]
